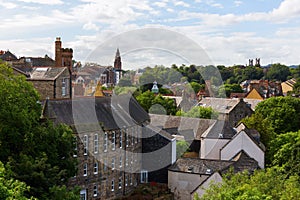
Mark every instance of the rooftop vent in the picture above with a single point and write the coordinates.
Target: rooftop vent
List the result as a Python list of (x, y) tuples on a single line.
[(190, 169), (208, 171)]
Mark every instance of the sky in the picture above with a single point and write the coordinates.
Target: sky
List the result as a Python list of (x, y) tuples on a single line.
[(161, 32)]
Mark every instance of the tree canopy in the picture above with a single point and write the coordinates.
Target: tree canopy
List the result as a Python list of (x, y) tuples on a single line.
[(266, 184), (38, 153)]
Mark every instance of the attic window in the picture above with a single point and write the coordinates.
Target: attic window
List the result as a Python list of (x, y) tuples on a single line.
[(42, 69), (190, 169), (208, 171), (221, 135)]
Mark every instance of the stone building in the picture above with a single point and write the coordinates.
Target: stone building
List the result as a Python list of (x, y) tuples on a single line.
[(230, 110), (51, 82), (108, 142)]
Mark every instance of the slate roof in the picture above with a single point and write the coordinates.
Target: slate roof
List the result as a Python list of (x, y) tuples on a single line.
[(199, 166), (220, 129), (46, 73), (240, 162), (221, 105), (182, 124), (7, 56), (86, 113)]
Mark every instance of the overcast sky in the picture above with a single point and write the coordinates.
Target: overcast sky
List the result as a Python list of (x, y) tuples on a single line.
[(155, 32)]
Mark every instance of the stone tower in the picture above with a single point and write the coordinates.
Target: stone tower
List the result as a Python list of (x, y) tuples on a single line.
[(118, 67), (63, 56)]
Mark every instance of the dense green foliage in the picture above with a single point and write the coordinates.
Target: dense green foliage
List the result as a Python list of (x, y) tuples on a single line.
[(267, 184), (37, 152), (273, 117), (10, 188), (182, 146), (199, 112), (157, 104)]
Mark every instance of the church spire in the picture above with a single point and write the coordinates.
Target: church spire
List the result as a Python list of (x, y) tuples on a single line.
[(118, 63)]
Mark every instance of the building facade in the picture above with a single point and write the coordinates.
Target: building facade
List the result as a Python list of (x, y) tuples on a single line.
[(108, 143)]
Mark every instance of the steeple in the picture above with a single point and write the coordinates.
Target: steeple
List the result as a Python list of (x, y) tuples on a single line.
[(118, 63)]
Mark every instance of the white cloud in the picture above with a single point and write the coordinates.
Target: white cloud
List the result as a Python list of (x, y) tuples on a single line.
[(46, 2), (90, 26), (8, 5), (160, 4), (181, 3), (238, 3)]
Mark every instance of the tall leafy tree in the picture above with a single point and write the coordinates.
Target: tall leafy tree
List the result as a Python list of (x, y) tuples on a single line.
[(38, 153), (263, 184), (278, 72)]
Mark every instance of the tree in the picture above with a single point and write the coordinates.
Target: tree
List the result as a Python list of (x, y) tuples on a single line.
[(199, 112), (37, 153), (287, 152), (148, 100), (265, 184), (227, 89), (273, 117), (278, 72), (182, 146), (11, 188)]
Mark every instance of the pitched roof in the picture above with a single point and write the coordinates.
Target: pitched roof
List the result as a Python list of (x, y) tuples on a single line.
[(46, 73), (182, 124), (221, 105), (220, 129), (199, 166), (86, 113), (242, 161), (7, 56)]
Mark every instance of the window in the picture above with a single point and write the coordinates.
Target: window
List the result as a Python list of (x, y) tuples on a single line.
[(136, 134), (112, 185), (130, 179), (83, 195), (65, 86), (105, 164), (96, 167), (112, 164), (85, 145), (113, 140), (127, 140), (132, 135), (105, 142), (95, 191), (96, 146), (144, 176), (85, 168), (75, 147), (126, 180), (121, 160), (126, 159), (121, 144), (120, 182)]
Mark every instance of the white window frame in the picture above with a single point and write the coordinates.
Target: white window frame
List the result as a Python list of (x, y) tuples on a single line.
[(121, 142), (85, 145), (127, 139), (96, 143), (144, 176), (113, 141), (85, 169), (96, 167), (95, 191), (112, 185), (136, 135), (113, 164), (63, 88), (121, 161), (83, 195), (126, 159), (105, 141), (76, 147), (120, 182)]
